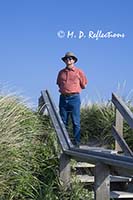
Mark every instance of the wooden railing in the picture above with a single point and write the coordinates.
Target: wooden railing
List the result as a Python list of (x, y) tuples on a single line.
[(102, 160), (45, 101), (122, 113)]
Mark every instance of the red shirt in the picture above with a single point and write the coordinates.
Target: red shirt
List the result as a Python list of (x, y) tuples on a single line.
[(71, 80)]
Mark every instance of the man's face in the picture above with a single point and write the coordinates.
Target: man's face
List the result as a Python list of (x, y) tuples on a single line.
[(69, 60)]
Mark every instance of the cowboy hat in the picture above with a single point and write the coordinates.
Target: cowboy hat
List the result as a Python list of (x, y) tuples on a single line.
[(70, 54)]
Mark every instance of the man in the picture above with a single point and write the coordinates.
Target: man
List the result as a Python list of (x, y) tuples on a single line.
[(71, 80)]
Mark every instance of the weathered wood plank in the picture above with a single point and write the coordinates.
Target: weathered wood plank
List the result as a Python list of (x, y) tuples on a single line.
[(90, 179), (122, 142), (59, 120), (120, 179), (102, 182), (65, 170), (123, 109), (98, 149), (119, 161), (119, 128), (59, 126), (85, 178), (120, 194), (84, 165)]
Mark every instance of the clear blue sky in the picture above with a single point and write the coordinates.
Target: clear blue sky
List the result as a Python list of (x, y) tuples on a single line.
[(31, 49)]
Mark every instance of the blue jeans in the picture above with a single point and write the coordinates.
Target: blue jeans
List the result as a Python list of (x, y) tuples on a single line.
[(70, 106)]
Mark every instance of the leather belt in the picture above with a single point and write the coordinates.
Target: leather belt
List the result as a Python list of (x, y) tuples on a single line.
[(69, 94)]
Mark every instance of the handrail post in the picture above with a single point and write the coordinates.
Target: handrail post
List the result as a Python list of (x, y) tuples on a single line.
[(119, 128), (65, 170), (102, 182)]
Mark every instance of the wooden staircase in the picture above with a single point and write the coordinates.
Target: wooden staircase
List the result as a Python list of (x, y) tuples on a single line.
[(109, 166), (84, 173)]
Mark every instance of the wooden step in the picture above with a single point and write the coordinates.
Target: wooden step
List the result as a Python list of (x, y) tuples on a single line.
[(120, 194), (112, 177), (98, 149), (84, 165), (120, 179), (85, 178), (90, 179)]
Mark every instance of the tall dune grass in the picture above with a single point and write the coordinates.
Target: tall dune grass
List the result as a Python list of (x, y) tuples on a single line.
[(21, 151), (96, 124), (29, 155)]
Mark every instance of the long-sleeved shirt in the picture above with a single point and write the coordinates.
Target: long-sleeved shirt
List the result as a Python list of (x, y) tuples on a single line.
[(71, 80)]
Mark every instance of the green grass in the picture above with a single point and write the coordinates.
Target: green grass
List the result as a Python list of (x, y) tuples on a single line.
[(96, 122), (24, 156), (29, 164)]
